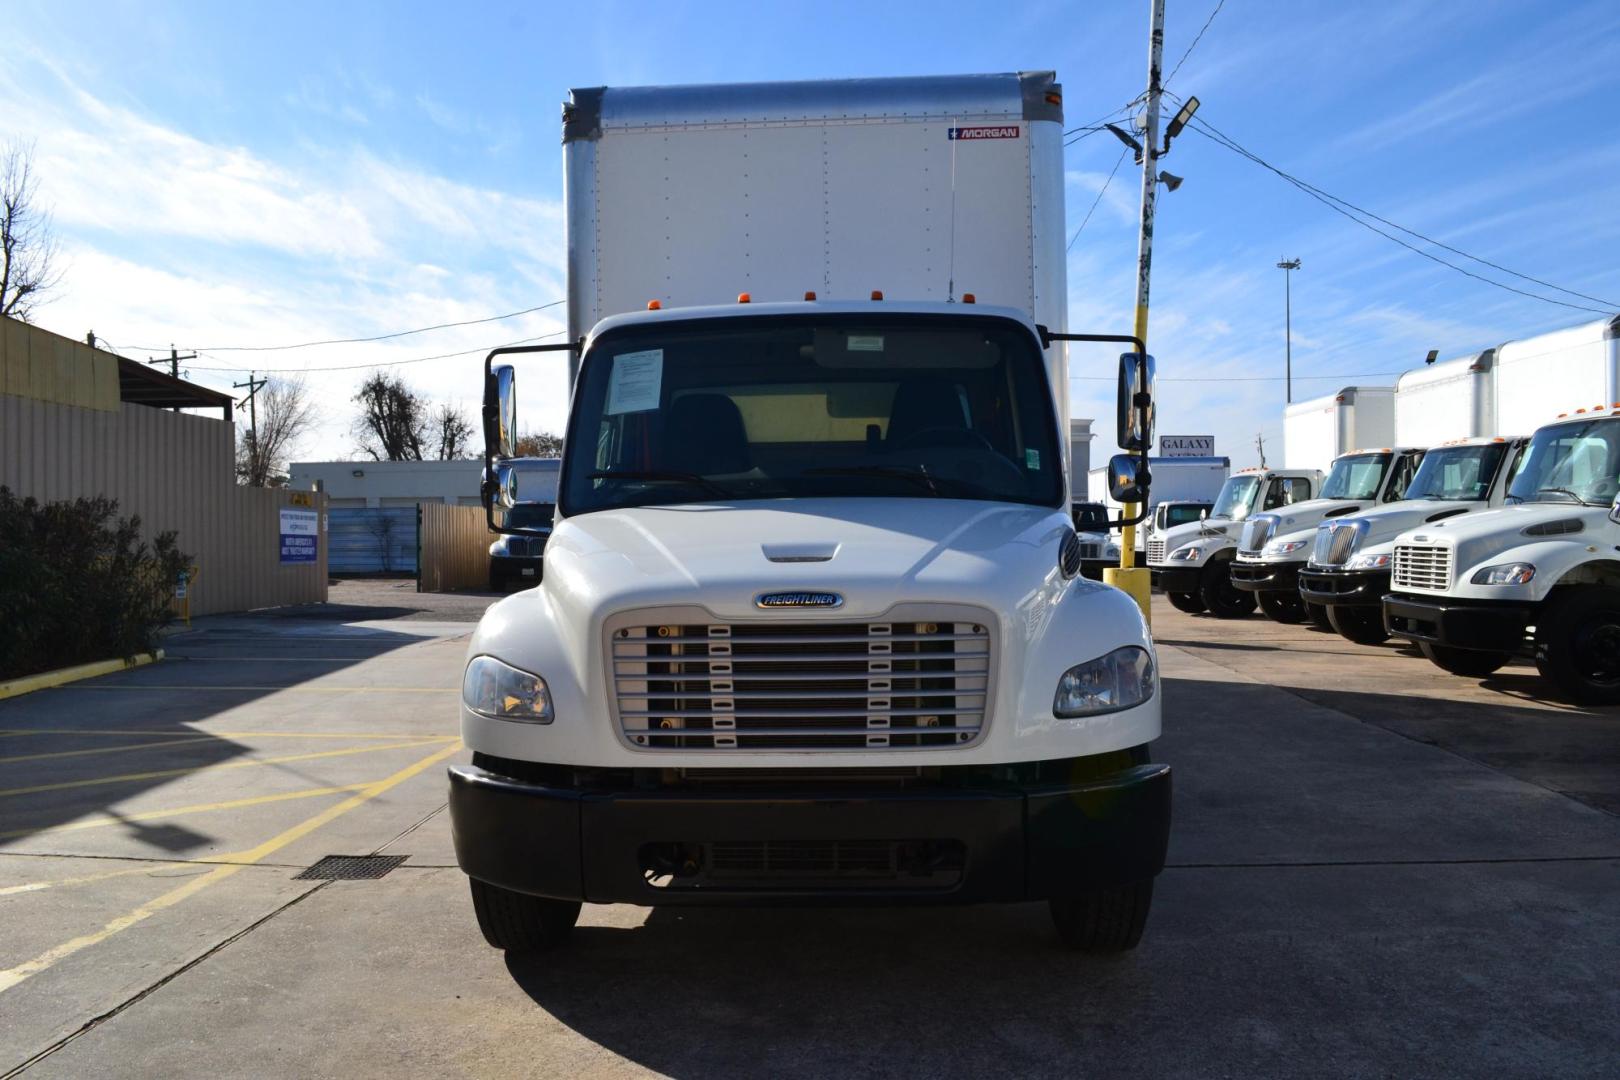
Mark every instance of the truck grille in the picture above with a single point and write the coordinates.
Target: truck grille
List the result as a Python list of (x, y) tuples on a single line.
[(1421, 566), (1335, 543), (1092, 550), (1155, 552), (1256, 532), (801, 686), (525, 547)]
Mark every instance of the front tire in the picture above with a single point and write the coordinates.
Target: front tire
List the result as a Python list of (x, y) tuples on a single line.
[(1191, 603), (1364, 626), (518, 922), (1223, 599), (1282, 607), (1469, 663), (1103, 920), (1318, 616), (1578, 644)]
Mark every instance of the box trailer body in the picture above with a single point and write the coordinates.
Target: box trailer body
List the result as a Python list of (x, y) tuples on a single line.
[(813, 585), (1453, 399), (1540, 377), (1318, 431)]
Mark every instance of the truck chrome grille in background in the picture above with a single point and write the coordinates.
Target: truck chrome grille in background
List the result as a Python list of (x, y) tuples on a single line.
[(801, 686), (520, 547), (1256, 532), (1091, 550), (1155, 552), (1335, 543), (1422, 566)]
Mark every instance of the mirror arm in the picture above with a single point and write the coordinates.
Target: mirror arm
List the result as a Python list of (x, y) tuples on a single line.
[(1142, 400), (575, 347)]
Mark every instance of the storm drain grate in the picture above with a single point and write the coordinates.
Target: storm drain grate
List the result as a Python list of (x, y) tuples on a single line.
[(351, 868)]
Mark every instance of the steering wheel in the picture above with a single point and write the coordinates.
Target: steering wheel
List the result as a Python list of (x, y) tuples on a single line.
[(1605, 491), (945, 436)]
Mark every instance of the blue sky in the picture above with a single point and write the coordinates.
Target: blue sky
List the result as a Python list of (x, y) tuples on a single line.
[(263, 174)]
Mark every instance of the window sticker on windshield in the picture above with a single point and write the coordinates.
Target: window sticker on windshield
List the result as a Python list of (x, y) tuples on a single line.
[(866, 343), (1032, 458), (636, 382)]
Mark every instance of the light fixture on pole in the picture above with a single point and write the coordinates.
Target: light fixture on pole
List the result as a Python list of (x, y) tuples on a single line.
[(1288, 266), (1189, 107)]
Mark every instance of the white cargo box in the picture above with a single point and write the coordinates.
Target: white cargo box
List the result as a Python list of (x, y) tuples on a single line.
[(1540, 377), (1319, 430), (1454, 399)]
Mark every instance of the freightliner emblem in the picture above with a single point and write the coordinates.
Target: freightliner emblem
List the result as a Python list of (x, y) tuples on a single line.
[(798, 599)]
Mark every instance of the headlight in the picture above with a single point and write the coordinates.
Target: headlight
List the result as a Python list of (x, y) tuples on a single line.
[(502, 692), (1107, 684), (1189, 553), (1282, 547), (1513, 573), (1368, 562)]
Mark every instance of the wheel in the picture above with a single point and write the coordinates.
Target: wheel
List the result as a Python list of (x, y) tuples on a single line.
[(1364, 626), (1469, 663), (518, 922), (1282, 607), (1191, 603), (1223, 599), (1318, 615), (1578, 644), (1104, 920)]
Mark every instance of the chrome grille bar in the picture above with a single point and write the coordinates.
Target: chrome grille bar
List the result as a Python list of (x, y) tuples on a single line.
[(1424, 567)]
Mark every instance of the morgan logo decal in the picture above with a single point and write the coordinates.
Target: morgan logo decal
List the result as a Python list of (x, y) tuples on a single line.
[(798, 599), (1008, 131)]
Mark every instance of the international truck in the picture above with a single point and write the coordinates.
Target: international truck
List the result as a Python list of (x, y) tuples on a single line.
[(1347, 574), (1539, 577), (1319, 431), (812, 628), (1274, 547), (1192, 562)]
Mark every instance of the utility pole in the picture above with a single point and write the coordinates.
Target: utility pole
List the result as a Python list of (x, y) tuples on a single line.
[(1288, 266), (253, 386), (174, 363), (1260, 445)]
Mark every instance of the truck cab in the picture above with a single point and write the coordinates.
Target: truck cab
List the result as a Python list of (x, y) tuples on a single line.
[(1538, 577), (1274, 547), (1190, 562), (1347, 574)]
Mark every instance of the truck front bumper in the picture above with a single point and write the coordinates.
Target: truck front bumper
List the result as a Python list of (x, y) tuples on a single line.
[(1266, 577), (1178, 579), (1344, 588), (1459, 624), (527, 569), (834, 842)]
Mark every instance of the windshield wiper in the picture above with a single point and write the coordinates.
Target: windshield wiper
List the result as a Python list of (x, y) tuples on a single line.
[(1564, 491), (657, 476), (916, 474)]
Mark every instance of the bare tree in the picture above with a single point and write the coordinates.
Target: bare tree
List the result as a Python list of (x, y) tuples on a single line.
[(285, 414), (542, 444), (393, 421), (453, 433), (27, 251), (381, 528)]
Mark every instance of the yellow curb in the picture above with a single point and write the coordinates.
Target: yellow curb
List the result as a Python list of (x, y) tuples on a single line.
[(47, 679)]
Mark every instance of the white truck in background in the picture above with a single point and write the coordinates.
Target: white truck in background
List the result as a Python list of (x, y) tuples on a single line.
[(1191, 563), (812, 628), (1452, 399), (1319, 431)]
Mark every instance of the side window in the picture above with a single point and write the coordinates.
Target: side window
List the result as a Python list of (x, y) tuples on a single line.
[(1276, 494), (1405, 468), (1286, 491)]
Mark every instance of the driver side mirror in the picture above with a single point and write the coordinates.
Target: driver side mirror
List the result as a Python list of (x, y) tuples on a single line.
[(1614, 511), (1134, 401), (500, 412), (1127, 478), (1203, 515)]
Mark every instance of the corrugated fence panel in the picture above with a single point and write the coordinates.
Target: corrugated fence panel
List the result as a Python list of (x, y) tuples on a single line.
[(174, 471), (454, 548), (373, 540)]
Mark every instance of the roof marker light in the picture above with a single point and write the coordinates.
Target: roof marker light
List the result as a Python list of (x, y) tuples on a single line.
[(809, 294), (744, 298), (877, 294), (655, 305), (969, 298)]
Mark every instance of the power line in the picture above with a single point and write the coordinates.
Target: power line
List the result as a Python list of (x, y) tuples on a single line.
[(1196, 39), (1345, 208), (386, 363), (1254, 378), (360, 340), (1100, 192), (1104, 118)]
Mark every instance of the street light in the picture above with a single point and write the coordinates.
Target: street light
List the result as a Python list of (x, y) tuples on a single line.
[(1288, 266)]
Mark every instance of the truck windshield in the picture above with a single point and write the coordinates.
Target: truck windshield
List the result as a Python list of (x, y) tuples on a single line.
[(1457, 473), (1577, 462), (529, 516), (1090, 517), (736, 408), (1236, 498), (1180, 514), (1356, 477)]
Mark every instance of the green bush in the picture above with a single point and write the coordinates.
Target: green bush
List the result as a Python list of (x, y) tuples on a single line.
[(78, 584)]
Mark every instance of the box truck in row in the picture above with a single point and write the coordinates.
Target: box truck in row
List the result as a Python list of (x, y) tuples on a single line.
[(812, 627)]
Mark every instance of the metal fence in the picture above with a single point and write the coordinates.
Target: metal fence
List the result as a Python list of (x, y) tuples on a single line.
[(372, 540), (454, 548)]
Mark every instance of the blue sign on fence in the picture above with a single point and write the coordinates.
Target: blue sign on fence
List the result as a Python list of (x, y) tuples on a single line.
[(300, 533)]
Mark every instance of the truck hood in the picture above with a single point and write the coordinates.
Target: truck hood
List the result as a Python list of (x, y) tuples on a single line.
[(1182, 535), (1479, 537), (873, 553), (1387, 522)]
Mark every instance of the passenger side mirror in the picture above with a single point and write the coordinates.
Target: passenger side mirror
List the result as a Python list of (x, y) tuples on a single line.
[(1127, 478), (1203, 515), (1614, 511), (1134, 401), (500, 412)]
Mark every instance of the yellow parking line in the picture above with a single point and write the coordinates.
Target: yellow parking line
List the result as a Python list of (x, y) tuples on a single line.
[(12, 976), (156, 733), (41, 886), (105, 749), (159, 774), (102, 821)]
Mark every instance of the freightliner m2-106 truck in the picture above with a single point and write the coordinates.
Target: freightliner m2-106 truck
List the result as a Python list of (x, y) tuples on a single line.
[(812, 627)]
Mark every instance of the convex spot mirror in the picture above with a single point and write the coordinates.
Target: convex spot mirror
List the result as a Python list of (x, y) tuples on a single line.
[(500, 412), (1135, 401), (1127, 478), (500, 485), (1614, 511)]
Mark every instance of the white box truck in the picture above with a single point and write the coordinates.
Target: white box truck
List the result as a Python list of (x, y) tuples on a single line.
[(1453, 399), (1318, 431), (812, 627)]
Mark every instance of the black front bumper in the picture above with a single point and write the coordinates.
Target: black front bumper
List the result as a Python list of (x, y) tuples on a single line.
[(993, 842), (517, 568), (1178, 579), (1344, 588), (1266, 577), (1459, 624)]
